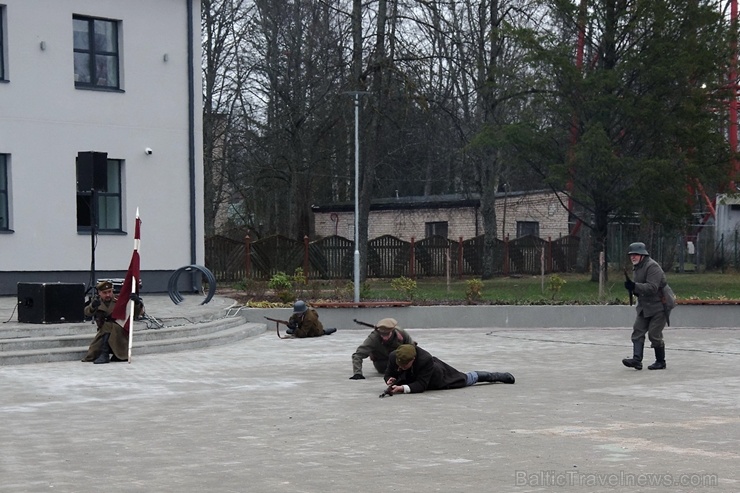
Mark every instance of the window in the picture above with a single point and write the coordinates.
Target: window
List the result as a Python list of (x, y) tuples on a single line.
[(106, 213), (2, 42), (4, 211), (527, 228), (436, 229), (96, 52)]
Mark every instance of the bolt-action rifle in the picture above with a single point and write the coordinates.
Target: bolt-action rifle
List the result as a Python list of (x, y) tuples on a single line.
[(631, 292), (358, 322), (277, 326)]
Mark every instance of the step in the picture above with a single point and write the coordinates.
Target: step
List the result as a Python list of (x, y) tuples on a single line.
[(141, 333), (56, 330), (149, 341)]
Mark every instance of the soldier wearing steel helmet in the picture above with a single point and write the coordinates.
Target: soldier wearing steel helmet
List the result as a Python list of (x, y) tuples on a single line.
[(385, 337), (655, 300), (305, 322)]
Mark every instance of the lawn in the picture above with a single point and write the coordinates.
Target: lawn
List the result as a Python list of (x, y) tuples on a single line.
[(576, 289)]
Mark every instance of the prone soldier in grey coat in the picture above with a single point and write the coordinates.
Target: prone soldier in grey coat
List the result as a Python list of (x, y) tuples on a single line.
[(655, 300), (386, 337)]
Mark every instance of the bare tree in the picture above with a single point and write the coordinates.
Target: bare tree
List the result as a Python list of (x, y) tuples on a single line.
[(220, 21)]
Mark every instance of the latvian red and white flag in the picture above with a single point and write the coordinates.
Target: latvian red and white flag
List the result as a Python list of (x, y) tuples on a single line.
[(122, 312)]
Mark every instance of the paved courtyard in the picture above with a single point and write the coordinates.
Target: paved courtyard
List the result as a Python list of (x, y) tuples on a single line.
[(271, 415)]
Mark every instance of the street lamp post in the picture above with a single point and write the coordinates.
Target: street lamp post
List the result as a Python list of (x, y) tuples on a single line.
[(356, 95)]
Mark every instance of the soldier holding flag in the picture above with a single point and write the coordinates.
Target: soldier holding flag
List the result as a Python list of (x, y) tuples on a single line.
[(115, 317), (110, 338)]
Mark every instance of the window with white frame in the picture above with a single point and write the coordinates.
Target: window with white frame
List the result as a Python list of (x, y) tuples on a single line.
[(4, 206), (100, 205), (96, 53)]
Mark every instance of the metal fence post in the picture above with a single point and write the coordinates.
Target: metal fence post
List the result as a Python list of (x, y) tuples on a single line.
[(412, 267), (305, 257), (506, 255), (248, 249), (460, 259)]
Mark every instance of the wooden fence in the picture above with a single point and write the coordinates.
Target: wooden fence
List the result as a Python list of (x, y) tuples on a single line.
[(388, 257)]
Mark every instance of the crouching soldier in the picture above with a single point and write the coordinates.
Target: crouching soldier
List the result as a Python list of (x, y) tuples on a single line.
[(378, 345), (110, 337)]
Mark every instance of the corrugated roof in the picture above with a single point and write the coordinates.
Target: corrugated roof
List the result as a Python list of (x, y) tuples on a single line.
[(420, 202)]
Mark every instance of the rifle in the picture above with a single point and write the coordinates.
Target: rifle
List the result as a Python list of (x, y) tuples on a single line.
[(387, 392), (277, 326), (364, 323), (666, 311), (632, 294)]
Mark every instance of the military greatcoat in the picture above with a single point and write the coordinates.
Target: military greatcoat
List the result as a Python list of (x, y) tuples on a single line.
[(308, 324), (425, 373)]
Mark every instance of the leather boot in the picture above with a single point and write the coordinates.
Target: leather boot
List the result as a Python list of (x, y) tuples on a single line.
[(484, 376), (104, 356), (329, 331), (636, 360), (659, 359)]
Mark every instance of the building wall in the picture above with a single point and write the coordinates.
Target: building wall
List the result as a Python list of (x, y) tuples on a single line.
[(45, 121), (728, 220), (544, 208), (465, 222)]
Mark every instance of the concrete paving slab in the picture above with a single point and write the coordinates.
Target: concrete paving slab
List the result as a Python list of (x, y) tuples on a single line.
[(271, 415)]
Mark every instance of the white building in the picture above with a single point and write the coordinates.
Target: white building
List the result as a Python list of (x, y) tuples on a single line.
[(728, 218), (122, 79)]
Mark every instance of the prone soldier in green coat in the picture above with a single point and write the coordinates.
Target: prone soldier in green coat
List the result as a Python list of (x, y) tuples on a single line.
[(305, 322)]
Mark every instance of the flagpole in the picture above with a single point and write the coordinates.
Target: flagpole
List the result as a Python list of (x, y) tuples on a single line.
[(124, 310), (131, 318)]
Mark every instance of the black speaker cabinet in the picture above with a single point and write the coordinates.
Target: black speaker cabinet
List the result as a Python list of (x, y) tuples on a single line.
[(50, 302), (92, 171)]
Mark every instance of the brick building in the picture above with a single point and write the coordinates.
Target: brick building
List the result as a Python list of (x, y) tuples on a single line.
[(537, 213)]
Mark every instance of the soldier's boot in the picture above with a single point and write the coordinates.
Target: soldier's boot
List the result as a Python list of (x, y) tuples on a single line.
[(104, 356), (636, 360), (659, 359), (329, 331), (485, 376)]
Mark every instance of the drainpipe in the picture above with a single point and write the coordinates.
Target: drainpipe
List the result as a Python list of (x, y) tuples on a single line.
[(191, 139)]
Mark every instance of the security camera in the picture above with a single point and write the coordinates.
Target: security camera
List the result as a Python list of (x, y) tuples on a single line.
[(148, 151)]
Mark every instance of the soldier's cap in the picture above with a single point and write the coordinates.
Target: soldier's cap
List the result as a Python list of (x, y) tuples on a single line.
[(386, 325), (405, 353), (104, 286)]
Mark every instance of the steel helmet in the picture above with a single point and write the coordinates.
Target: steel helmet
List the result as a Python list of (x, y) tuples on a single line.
[(638, 248), (300, 307)]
